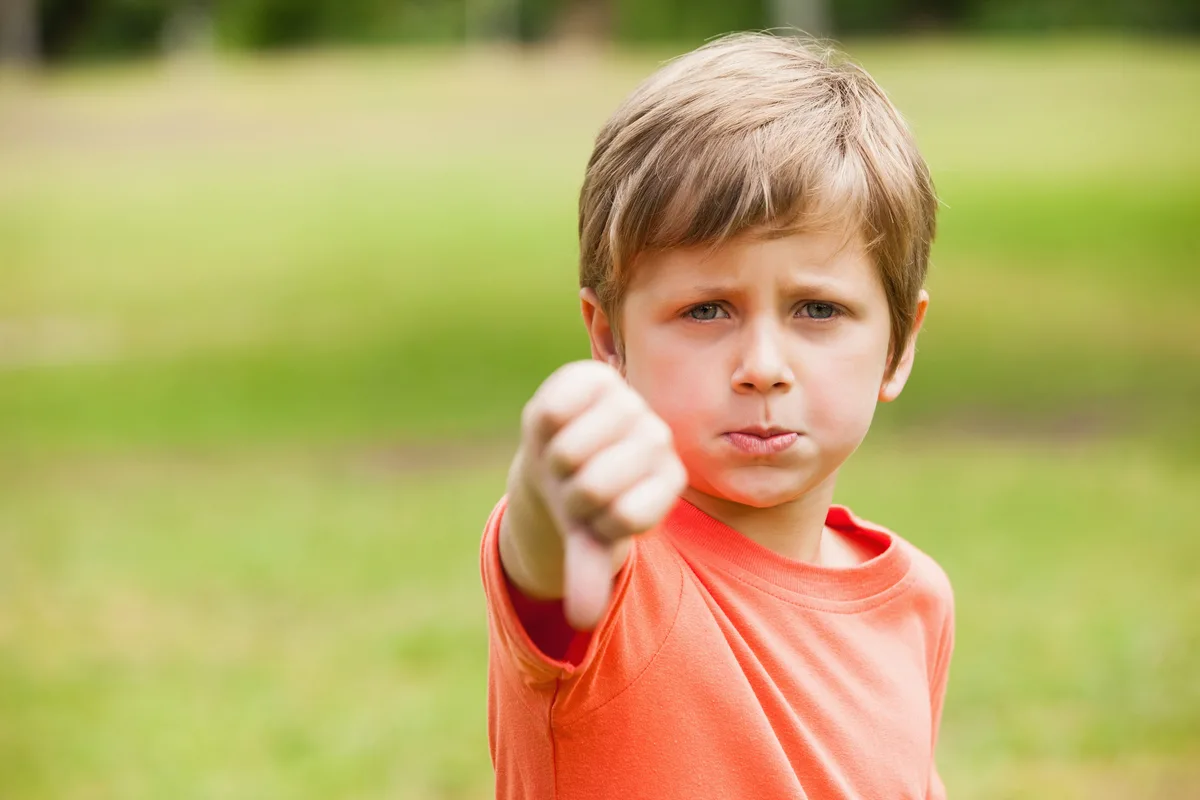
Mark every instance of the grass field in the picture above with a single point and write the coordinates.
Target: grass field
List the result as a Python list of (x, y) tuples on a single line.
[(266, 327)]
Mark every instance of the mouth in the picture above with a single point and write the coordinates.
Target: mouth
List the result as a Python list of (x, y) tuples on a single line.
[(761, 441)]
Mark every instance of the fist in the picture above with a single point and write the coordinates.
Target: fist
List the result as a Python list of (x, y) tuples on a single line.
[(604, 465)]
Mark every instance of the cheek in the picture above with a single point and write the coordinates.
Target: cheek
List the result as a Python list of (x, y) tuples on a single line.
[(836, 411), (841, 402), (677, 384)]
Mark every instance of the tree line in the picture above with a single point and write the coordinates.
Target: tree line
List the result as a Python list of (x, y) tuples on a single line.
[(55, 30)]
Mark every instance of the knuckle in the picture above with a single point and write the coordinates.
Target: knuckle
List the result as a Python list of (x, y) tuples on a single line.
[(617, 402), (610, 400), (531, 415), (569, 369), (584, 498), (584, 373), (543, 407), (554, 412), (627, 519), (628, 395), (567, 391), (612, 526), (677, 477), (657, 432), (668, 434), (560, 458), (680, 470)]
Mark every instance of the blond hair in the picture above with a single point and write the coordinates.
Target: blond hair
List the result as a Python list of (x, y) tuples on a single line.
[(757, 133)]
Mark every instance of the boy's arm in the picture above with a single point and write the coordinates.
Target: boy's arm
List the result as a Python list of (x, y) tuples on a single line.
[(595, 467), (531, 548)]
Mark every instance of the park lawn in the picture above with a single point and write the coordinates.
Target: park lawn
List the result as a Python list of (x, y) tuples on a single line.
[(309, 623)]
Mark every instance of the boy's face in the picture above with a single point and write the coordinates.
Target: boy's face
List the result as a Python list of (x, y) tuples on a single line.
[(758, 337)]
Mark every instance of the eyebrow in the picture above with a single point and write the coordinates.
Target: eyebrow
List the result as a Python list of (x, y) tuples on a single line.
[(801, 288)]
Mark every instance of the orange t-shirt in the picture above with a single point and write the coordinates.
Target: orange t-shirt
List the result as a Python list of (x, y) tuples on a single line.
[(724, 670)]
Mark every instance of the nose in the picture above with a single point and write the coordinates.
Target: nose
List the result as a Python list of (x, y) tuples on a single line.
[(763, 366)]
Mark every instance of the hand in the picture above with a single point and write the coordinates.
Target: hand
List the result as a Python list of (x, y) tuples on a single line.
[(605, 467)]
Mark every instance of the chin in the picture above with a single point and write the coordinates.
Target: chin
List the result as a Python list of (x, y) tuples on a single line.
[(762, 490)]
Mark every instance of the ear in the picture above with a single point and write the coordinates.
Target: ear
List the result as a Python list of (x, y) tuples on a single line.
[(600, 331), (891, 387)]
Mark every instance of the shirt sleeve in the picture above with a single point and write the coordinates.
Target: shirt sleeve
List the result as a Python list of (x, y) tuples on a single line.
[(937, 790), (546, 623), (517, 623)]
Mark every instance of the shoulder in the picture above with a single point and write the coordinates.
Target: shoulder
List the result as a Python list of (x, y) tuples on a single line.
[(929, 595), (931, 590), (926, 576)]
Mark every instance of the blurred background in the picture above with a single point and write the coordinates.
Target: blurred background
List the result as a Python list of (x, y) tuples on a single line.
[(276, 277)]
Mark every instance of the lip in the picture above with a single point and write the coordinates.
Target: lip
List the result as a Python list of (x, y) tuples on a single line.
[(762, 441)]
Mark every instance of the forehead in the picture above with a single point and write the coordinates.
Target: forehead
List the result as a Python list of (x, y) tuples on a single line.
[(832, 260)]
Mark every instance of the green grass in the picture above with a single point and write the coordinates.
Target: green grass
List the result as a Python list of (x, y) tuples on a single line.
[(309, 624), (245, 629), (266, 327)]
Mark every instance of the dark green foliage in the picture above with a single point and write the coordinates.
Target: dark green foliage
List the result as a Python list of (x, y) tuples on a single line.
[(271, 24), (90, 28), (1168, 16), (686, 20), (100, 27)]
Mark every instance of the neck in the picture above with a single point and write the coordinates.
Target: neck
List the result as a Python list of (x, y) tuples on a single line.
[(792, 529)]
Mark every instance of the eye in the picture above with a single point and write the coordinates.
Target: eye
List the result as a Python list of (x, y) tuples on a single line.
[(820, 310), (706, 311)]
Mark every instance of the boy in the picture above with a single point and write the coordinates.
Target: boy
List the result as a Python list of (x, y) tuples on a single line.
[(755, 226)]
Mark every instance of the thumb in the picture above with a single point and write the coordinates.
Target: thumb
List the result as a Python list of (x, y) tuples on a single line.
[(587, 579)]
